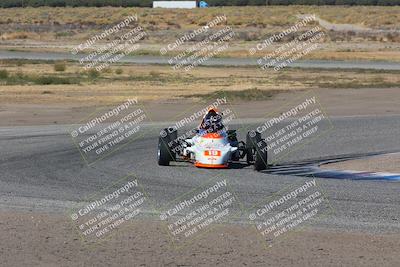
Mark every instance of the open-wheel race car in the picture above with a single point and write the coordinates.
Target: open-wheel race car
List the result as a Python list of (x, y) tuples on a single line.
[(212, 146)]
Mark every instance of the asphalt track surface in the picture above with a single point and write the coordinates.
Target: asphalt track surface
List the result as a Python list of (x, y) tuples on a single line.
[(324, 64), (41, 170), (312, 168)]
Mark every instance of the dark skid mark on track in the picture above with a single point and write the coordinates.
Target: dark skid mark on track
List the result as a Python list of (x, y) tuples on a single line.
[(311, 168)]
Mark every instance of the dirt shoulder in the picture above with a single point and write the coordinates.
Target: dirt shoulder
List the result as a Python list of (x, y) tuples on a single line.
[(335, 102), (49, 240), (35, 93), (385, 163)]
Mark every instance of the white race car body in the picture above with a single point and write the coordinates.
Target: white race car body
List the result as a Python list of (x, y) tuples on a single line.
[(212, 146), (210, 150)]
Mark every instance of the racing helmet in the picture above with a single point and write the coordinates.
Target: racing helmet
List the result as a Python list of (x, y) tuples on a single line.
[(212, 120)]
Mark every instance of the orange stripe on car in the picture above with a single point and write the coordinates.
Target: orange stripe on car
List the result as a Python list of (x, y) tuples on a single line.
[(212, 136), (214, 166)]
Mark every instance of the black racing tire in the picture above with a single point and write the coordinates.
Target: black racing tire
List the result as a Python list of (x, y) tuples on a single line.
[(251, 142), (249, 149), (261, 157), (165, 153), (256, 151)]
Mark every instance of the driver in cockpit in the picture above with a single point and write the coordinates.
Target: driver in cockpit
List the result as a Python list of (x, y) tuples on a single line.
[(212, 122)]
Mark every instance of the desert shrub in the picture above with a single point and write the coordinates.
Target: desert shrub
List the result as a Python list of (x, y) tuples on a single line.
[(46, 80), (93, 74), (3, 74), (60, 66)]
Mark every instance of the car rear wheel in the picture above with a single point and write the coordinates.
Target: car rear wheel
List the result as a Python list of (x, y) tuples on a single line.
[(165, 153), (249, 148), (261, 156), (256, 151)]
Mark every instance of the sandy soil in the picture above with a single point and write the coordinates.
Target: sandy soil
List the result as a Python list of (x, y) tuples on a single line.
[(59, 29), (335, 102), (49, 240), (385, 163)]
